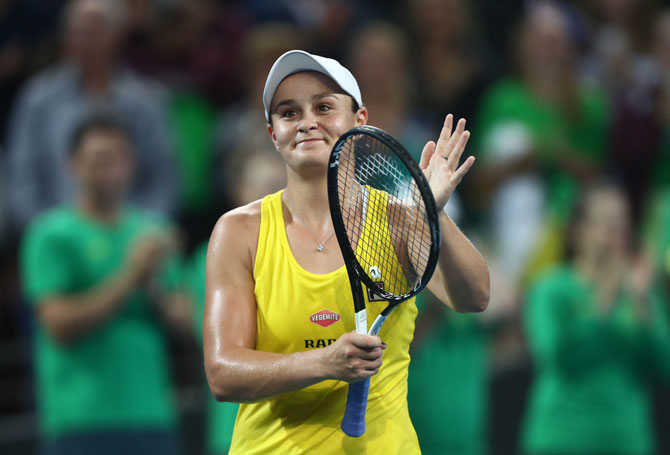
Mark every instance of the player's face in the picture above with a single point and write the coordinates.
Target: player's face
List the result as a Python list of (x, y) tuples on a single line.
[(309, 113), (103, 165)]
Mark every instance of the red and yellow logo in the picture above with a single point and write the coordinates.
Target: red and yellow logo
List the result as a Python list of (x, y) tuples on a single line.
[(324, 318)]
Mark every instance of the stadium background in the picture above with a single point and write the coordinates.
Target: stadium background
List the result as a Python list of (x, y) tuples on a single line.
[(415, 60)]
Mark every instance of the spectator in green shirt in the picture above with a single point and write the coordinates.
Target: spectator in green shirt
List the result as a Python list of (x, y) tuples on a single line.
[(104, 284), (540, 134), (598, 333), (449, 349)]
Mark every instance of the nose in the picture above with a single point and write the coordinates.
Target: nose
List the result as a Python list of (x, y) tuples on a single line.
[(307, 123)]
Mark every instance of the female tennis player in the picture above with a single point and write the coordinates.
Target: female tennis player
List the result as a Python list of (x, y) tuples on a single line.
[(278, 324)]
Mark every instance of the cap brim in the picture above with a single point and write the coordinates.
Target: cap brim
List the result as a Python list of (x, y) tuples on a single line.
[(290, 63)]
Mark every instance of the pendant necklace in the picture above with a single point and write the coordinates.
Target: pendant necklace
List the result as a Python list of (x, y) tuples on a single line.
[(319, 245)]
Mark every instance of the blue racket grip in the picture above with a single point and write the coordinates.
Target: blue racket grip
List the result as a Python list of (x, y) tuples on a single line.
[(353, 422)]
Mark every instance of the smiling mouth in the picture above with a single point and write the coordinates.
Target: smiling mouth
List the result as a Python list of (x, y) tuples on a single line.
[(309, 140)]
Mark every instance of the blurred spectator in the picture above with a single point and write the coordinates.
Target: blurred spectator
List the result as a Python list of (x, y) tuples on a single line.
[(379, 59), (189, 45), (242, 126), (449, 349), (661, 54), (622, 61), (104, 282), (451, 63), (26, 29), (89, 79), (656, 239), (256, 175), (539, 133), (323, 23), (380, 62), (598, 333), (192, 47)]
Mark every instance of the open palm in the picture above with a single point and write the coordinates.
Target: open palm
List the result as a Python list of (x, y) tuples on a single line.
[(439, 162)]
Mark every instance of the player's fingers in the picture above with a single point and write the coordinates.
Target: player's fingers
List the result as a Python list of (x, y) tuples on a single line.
[(372, 365), (446, 128), (426, 154), (457, 151), (363, 341), (446, 145), (369, 354), (458, 175), (453, 140)]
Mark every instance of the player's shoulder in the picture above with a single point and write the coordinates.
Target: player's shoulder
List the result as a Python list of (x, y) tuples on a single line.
[(241, 219), (236, 231)]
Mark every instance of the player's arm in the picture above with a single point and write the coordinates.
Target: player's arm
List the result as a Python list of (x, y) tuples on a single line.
[(461, 278), (235, 370), (70, 316)]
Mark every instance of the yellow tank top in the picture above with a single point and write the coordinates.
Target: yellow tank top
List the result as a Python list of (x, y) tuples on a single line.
[(297, 311)]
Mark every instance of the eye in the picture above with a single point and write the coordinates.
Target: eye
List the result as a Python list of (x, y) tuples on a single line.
[(323, 107), (288, 113)]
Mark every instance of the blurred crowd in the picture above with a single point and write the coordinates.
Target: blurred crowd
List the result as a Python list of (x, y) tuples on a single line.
[(128, 127)]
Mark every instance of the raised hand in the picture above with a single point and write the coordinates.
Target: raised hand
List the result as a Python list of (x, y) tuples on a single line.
[(439, 162)]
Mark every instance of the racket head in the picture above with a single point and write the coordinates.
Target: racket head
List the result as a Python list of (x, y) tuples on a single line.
[(368, 163)]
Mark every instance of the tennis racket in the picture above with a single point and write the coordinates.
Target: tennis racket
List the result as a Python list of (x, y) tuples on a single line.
[(386, 224)]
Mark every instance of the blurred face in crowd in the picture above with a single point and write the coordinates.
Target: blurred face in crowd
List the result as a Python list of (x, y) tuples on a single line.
[(103, 165), (92, 32), (440, 21), (378, 62), (546, 47), (604, 231), (309, 113), (262, 174)]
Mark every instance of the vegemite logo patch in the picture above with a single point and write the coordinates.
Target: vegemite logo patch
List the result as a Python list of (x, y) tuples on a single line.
[(324, 318)]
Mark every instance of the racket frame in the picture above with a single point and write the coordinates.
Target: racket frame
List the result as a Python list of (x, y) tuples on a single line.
[(353, 423)]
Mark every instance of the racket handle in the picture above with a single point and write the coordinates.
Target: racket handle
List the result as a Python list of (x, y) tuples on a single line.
[(353, 422)]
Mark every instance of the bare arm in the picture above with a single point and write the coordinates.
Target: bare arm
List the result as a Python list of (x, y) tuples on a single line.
[(461, 279), (235, 370)]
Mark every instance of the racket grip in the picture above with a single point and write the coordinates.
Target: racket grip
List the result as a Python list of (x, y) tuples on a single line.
[(353, 422)]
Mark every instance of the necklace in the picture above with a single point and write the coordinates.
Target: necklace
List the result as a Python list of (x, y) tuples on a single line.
[(319, 245)]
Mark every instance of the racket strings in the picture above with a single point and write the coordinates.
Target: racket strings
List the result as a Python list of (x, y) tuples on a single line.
[(377, 193)]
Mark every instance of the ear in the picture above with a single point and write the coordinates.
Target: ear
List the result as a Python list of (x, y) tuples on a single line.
[(272, 134), (361, 116)]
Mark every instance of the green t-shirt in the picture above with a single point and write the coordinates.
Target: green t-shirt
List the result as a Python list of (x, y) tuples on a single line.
[(117, 375), (591, 389), (448, 385), (193, 120), (550, 132), (657, 232), (221, 416)]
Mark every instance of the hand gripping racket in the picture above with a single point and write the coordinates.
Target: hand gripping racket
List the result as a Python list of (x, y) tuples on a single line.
[(386, 223)]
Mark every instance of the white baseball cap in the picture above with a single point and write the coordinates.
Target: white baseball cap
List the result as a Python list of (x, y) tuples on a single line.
[(296, 61)]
